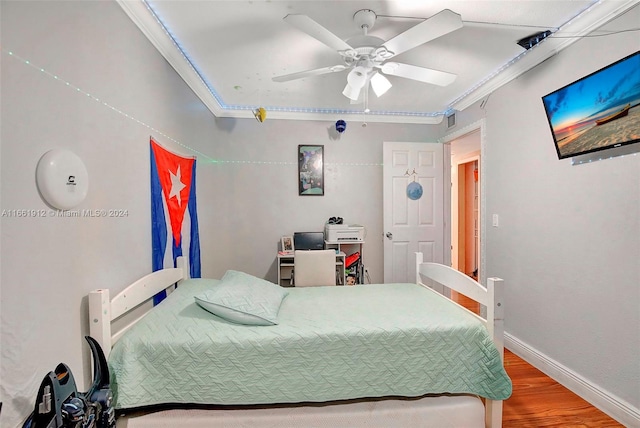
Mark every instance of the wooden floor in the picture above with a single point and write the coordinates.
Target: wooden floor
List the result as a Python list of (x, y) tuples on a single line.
[(538, 401)]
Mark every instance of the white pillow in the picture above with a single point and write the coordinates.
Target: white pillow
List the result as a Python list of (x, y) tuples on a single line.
[(244, 299)]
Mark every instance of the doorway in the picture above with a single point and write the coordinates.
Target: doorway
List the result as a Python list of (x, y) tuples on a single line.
[(468, 240), (466, 215)]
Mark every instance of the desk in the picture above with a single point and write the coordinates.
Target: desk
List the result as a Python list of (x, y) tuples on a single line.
[(286, 262)]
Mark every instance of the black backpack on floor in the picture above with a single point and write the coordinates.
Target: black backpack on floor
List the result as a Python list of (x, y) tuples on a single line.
[(60, 405)]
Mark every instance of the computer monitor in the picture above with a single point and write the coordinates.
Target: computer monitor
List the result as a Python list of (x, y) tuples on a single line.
[(308, 240)]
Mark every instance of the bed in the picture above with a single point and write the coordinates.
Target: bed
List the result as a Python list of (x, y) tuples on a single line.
[(358, 354)]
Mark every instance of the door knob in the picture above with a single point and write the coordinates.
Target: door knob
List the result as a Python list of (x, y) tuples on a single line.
[(389, 235)]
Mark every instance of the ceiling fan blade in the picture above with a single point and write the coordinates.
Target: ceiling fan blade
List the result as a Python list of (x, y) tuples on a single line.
[(312, 28), (421, 74), (438, 25), (303, 74)]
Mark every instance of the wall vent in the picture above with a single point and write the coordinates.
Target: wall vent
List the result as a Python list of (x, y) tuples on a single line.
[(451, 120)]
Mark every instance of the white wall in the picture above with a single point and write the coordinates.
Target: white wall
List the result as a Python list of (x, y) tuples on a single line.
[(568, 244), (261, 201), (48, 265)]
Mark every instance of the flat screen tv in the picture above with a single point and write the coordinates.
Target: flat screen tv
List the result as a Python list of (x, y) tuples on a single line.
[(599, 111)]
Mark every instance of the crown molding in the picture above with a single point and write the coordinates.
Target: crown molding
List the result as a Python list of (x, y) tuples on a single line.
[(598, 14), (589, 20), (140, 13), (152, 28)]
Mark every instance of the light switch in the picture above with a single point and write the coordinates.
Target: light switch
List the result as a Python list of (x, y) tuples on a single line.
[(495, 220)]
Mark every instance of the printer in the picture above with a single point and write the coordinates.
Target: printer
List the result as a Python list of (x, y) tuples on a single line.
[(343, 232)]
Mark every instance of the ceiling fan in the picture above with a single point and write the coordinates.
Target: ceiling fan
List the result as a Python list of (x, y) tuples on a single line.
[(367, 56)]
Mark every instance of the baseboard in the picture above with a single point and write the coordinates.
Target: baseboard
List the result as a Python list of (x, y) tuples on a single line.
[(613, 406)]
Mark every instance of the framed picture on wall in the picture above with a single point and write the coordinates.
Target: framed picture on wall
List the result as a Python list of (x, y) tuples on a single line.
[(287, 244), (310, 170)]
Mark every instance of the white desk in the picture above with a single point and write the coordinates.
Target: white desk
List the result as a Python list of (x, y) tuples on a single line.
[(286, 262)]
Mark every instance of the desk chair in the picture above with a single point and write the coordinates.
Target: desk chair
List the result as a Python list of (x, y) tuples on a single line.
[(314, 267)]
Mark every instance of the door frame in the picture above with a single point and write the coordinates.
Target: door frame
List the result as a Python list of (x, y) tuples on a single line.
[(447, 139)]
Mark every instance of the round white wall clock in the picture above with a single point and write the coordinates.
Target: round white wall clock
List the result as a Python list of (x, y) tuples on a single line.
[(62, 179)]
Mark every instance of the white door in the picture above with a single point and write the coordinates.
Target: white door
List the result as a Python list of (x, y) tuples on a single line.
[(410, 225)]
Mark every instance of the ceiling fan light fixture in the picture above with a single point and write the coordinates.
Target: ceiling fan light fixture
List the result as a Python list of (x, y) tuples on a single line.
[(357, 77), (366, 55), (380, 84), (352, 93)]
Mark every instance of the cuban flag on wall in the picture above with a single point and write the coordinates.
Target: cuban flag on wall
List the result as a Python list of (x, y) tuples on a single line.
[(173, 197)]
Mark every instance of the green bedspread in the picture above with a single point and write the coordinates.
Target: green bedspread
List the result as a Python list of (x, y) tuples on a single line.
[(331, 343)]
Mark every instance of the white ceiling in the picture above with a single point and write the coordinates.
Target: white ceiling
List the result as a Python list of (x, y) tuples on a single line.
[(229, 51)]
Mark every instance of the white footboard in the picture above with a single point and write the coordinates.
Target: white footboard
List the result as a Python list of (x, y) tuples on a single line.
[(490, 296), (103, 310)]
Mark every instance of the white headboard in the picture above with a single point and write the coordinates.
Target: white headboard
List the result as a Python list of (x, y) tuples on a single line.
[(103, 310)]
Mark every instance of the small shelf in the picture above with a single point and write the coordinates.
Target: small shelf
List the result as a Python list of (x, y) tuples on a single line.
[(339, 245)]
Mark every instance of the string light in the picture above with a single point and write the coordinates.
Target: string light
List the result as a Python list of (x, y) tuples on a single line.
[(105, 104), (204, 158)]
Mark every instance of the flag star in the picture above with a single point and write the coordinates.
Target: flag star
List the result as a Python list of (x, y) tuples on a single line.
[(176, 185)]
